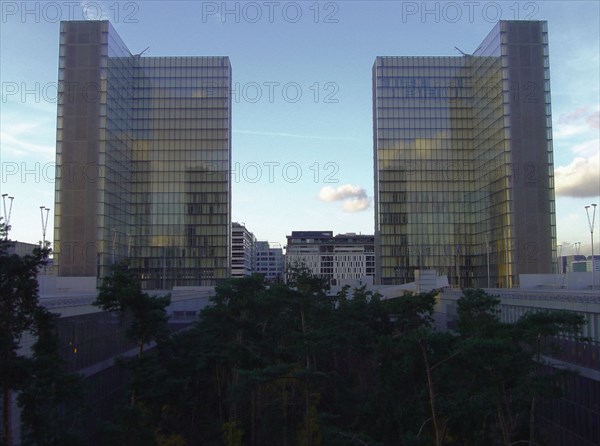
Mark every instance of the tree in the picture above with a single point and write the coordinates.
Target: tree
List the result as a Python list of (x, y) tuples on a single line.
[(50, 400), (289, 365), (537, 332), (18, 306), (146, 319), (503, 365), (121, 292), (477, 313)]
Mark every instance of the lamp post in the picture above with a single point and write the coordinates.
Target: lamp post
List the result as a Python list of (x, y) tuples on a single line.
[(114, 242), (591, 223), (44, 223), (7, 216), (559, 263), (506, 238), (558, 252), (487, 249)]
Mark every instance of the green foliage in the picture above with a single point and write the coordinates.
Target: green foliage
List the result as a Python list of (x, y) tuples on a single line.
[(51, 399), (545, 325), (232, 434), (289, 365), (18, 307), (477, 313), (130, 428), (300, 278), (18, 302), (121, 292), (147, 319)]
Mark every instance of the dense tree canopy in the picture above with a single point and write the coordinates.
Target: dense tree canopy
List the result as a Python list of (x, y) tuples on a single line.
[(276, 364), (18, 308), (121, 292), (289, 365)]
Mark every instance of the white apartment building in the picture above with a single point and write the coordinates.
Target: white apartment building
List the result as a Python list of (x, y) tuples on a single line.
[(243, 249), (342, 259)]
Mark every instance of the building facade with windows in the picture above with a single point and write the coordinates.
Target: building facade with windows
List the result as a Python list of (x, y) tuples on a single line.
[(143, 156), (243, 251), (270, 261), (463, 162), (342, 259)]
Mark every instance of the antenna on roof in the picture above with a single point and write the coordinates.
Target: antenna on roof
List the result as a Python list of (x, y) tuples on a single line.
[(138, 55), (460, 51)]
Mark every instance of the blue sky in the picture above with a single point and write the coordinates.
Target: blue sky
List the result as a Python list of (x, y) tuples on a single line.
[(302, 117)]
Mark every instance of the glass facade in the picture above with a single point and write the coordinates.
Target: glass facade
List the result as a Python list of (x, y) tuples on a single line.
[(143, 161), (463, 162)]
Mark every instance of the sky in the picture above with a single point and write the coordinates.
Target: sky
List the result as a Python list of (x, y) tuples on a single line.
[(302, 105)]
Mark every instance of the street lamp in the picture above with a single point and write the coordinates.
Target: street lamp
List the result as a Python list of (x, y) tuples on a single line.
[(591, 223), (114, 242), (7, 216), (44, 223), (487, 249), (506, 239)]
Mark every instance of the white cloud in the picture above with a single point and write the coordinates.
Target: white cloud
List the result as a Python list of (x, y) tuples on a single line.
[(329, 193), (562, 131), (94, 10), (575, 115), (587, 148), (593, 120), (356, 204), (353, 198), (577, 122), (17, 138), (579, 179)]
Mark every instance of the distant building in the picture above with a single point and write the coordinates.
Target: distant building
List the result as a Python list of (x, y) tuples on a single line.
[(578, 263), (343, 259), (270, 261), (592, 264), (463, 167), (580, 266), (22, 248), (243, 251), (567, 264)]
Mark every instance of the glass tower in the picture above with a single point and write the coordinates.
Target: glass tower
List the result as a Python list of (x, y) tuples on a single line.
[(143, 160), (463, 162)]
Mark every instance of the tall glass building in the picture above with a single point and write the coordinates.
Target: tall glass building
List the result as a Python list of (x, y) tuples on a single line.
[(143, 158), (463, 167)]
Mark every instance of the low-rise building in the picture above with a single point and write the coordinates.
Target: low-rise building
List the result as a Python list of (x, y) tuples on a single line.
[(243, 245), (270, 261), (344, 259)]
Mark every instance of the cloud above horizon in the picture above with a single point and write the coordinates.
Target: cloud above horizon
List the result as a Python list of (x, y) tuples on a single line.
[(580, 178), (353, 198), (577, 122)]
